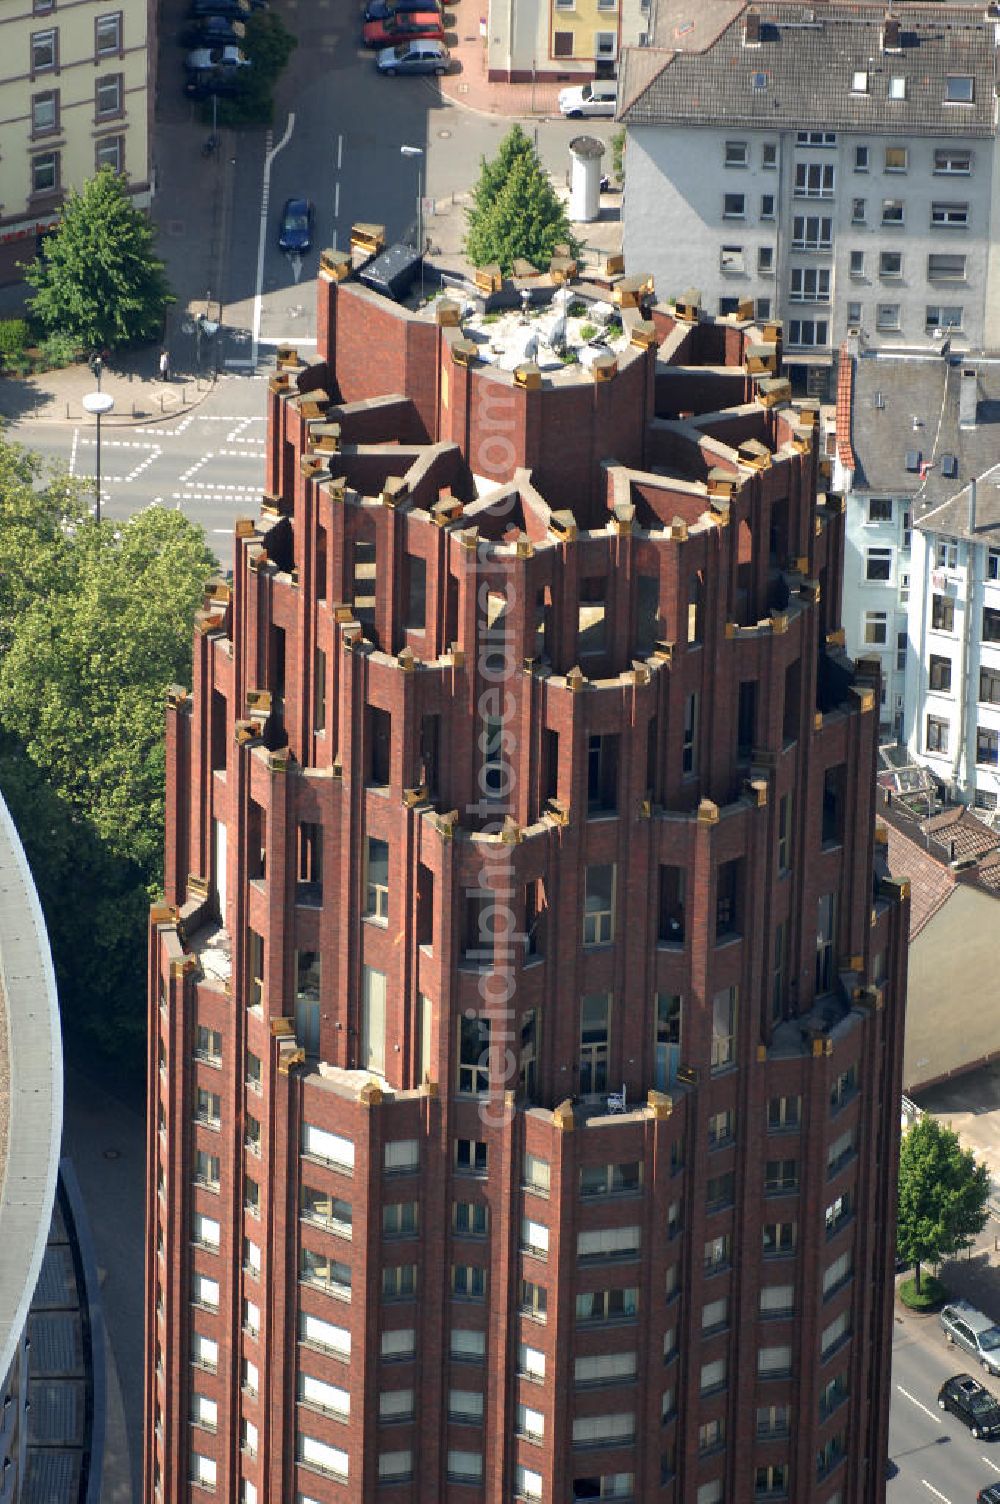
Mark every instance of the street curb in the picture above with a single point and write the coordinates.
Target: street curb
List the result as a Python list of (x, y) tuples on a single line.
[(461, 104), (45, 421)]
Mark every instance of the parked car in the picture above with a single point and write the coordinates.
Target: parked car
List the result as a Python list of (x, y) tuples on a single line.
[(295, 231), (989, 1495), (970, 1329), (223, 58), (379, 10), (237, 9), (422, 55), (214, 81), (597, 98), (973, 1405), (213, 31), (398, 28)]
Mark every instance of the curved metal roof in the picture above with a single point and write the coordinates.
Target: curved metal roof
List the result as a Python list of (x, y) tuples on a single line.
[(31, 1088)]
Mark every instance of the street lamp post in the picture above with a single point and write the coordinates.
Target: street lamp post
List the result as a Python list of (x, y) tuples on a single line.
[(417, 152), (99, 403)]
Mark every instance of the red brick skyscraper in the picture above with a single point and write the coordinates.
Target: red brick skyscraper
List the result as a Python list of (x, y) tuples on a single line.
[(526, 1011)]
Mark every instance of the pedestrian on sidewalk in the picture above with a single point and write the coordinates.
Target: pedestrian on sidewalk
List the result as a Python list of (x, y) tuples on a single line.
[(164, 366)]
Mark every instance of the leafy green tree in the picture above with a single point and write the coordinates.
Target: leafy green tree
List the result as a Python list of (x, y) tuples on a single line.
[(95, 623), (943, 1194), (618, 155), (524, 218), (269, 45), (98, 278), (494, 171)]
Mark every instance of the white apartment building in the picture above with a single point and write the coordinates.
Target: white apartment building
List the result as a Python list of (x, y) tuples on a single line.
[(918, 460), (953, 671), (834, 164)]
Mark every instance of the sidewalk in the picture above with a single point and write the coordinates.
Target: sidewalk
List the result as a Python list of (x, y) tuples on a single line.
[(467, 84)]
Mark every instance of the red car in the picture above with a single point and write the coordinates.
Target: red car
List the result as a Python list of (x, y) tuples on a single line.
[(402, 26)]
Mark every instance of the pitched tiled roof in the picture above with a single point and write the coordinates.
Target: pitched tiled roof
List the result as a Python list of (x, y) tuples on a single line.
[(845, 392), (959, 831), (802, 71), (931, 882)]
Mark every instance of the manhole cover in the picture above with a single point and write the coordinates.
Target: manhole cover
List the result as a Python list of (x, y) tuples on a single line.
[(112, 1154), (444, 135), (463, 88), (175, 226)]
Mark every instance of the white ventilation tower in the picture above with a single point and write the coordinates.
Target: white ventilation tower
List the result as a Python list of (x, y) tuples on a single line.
[(585, 180)]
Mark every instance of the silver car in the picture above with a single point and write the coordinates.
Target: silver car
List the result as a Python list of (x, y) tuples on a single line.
[(422, 55), (969, 1328)]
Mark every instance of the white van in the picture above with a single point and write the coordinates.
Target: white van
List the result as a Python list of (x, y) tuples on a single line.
[(597, 98)]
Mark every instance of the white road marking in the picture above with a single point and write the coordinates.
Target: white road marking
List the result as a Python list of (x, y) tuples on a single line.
[(151, 451), (336, 199), (340, 151), (935, 1491), (258, 298), (908, 1396), (72, 453), (990, 1463)]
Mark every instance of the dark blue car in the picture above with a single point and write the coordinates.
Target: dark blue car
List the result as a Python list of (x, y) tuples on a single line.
[(295, 232), (214, 31), (380, 10)]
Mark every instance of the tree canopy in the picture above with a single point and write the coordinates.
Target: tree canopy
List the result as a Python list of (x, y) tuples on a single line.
[(95, 623), (97, 278), (269, 45), (943, 1194), (515, 212)]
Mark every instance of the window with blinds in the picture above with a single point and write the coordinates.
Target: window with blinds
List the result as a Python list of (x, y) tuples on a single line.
[(465, 1467), (205, 1231), (602, 1430), (530, 1423), (203, 1470), (398, 1344), (324, 1396), (317, 1454), (395, 1465), (333, 1339), (205, 1291), (534, 1238), (205, 1352), (395, 1405), (608, 1242), (401, 1154), (328, 1147), (528, 1484), (605, 1367), (204, 1412), (468, 1344), (530, 1362)]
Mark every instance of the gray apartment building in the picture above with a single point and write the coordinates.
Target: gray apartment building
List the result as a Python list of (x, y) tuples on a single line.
[(834, 164)]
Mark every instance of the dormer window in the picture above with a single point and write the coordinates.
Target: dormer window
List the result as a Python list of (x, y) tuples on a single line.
[(959, 89), (897, 88), (859, 82)]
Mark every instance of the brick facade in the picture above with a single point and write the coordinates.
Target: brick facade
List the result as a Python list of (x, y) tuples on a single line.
[(610, 666)]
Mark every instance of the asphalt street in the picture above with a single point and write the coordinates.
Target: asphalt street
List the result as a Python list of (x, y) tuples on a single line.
[(934, 1456), (208, 464)]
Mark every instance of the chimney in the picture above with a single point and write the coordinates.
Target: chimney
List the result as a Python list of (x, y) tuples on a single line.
[(892, 34), (968, 397), (751, 29), (972, 506)]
